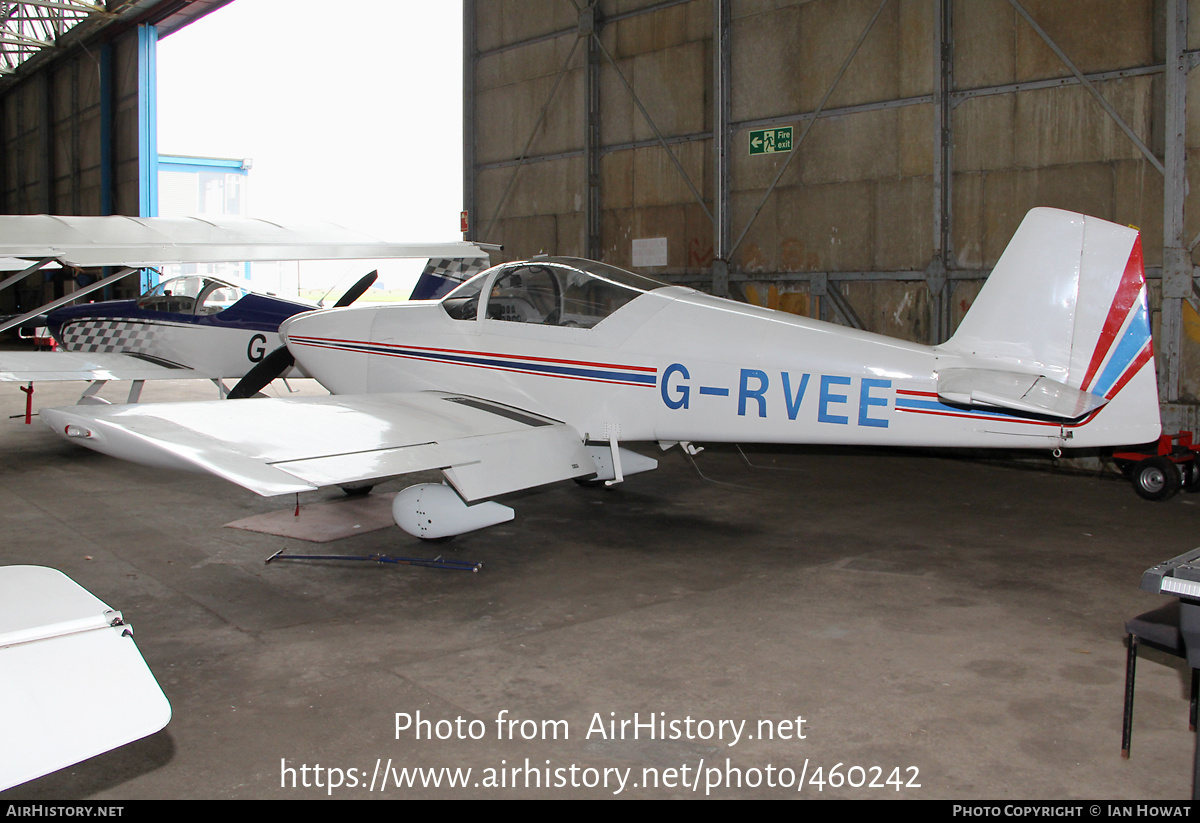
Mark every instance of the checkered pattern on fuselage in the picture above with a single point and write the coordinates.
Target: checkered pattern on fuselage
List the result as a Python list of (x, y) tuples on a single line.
[(108, 336)]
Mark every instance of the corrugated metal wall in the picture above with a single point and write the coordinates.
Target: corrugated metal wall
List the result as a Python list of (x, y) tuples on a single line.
[(53, 140), (69, 144), (927, 145)]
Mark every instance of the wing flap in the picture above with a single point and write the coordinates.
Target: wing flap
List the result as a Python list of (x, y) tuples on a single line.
[(519, 460), (333, 469), (1026, 393), (477, 467), (281, 445)]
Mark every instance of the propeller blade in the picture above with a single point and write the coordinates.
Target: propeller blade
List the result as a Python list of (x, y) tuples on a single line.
[(273, 365), (279, 361), (357, 290)]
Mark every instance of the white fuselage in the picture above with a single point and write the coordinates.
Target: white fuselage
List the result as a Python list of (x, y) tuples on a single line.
[(672, 365)]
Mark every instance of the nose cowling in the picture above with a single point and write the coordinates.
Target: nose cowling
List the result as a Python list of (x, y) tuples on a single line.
[(332, 345)]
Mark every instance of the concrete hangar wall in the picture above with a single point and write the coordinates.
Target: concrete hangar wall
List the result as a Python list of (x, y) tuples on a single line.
[(923, 130)]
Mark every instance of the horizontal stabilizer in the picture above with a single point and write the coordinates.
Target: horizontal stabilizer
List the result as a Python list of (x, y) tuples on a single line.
[(72, 682), (1026, 393), (283, 445)]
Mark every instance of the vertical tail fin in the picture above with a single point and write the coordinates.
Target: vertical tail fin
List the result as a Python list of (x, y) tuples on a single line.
[(1067, 300)]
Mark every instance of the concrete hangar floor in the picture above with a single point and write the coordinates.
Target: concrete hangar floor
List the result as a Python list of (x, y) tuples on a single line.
[(901, 625)]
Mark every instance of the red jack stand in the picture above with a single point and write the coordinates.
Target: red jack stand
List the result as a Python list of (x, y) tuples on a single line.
[(28, 403)]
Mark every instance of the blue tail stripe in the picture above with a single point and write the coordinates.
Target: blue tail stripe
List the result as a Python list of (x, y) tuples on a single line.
[(1131, 344)]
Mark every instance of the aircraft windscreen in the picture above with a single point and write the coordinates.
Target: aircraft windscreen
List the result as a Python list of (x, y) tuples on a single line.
[(217, 296), (463, 302), (563, 292), (191, 294)]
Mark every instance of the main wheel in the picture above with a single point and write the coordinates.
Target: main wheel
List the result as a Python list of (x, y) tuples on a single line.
[(1155, 478)]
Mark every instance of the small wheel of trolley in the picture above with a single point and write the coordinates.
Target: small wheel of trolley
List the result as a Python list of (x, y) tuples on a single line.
[(1159, 470), (1156, 478)]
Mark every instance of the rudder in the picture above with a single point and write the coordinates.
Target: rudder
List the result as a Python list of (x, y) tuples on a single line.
[(1067, 300)]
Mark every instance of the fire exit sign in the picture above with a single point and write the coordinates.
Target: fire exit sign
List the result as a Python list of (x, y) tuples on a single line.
[(769, 141)]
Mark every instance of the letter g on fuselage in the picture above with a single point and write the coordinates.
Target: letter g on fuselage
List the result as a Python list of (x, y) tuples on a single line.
[(681, 391)]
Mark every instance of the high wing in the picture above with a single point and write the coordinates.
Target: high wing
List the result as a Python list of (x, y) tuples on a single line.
[(23, 367), (280, 445), (16, 264), (153, 241)]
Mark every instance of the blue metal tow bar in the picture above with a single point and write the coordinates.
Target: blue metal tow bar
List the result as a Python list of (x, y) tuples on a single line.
[(438, 562)]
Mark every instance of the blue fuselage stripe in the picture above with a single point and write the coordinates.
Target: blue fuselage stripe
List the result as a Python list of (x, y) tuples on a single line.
[(550, 369), (937, 406)]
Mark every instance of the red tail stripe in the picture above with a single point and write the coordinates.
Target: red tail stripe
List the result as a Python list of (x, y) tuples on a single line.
[(1126, 297), (1146, 353)]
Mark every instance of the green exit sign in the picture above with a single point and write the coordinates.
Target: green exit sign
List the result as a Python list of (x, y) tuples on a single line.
[(769, 141)]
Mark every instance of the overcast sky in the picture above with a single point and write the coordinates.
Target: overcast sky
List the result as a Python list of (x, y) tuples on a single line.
[(351, 112)]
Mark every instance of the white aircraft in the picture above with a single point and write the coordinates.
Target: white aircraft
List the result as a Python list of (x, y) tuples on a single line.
[(534, 372), (190, 326)]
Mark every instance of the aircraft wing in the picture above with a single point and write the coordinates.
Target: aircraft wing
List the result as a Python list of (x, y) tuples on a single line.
[(153, 241), (72, 682), (27, 366), (16, 264), (282, 445)]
